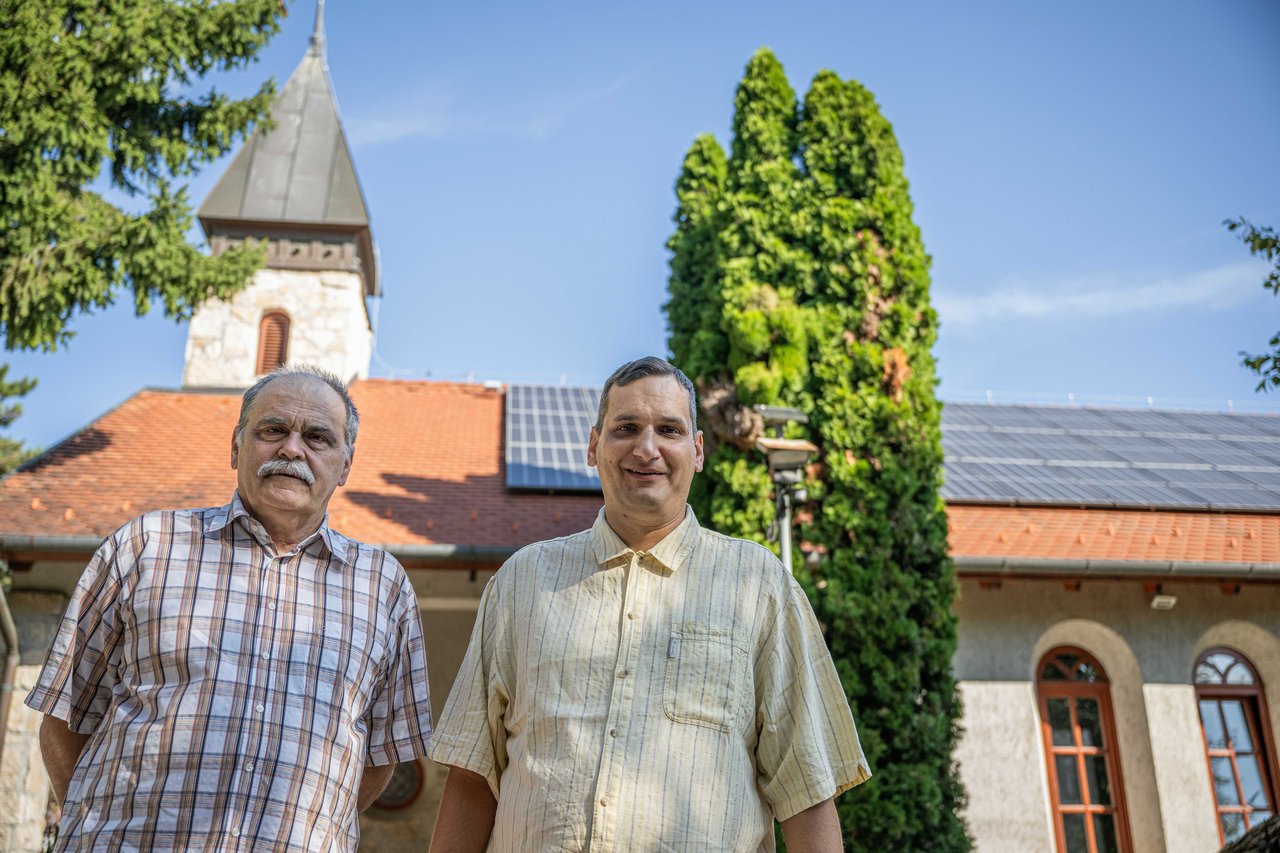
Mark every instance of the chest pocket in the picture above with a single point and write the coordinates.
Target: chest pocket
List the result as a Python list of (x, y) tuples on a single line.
[(706, 675)]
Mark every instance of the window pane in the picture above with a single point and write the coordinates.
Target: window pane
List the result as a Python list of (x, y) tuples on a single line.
[(1068, 780), (1206, 674), (1251, 781), (1104, 833), (1090, 722), (1060, 722), (1088, 673), (1224, 782), (1050, 672), (1214, 734), (1237, 728), (1095, 773), (1073, 826), (1239, 674), (1258, 817), (1232, 826)]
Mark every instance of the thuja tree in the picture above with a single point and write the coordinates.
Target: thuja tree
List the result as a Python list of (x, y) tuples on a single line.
[(798, 278), (103, 94)]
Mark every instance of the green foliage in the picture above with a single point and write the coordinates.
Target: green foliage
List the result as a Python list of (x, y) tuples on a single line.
[(1265, 243), (799, 278), (12, 451), (106, 85)]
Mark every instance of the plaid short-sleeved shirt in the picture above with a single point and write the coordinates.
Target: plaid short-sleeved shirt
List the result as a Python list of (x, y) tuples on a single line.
[(233, 695), (676, 699)]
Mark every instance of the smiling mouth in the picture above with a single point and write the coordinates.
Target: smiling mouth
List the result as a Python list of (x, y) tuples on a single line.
[(648, 475)]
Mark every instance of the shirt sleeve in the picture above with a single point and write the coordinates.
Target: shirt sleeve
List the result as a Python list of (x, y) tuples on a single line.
[(399, 717), (81, 668), (472, 733), (808, 749)]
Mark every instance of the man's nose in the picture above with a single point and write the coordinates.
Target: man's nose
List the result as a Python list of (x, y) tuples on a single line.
[(646, 446), (291, 447)]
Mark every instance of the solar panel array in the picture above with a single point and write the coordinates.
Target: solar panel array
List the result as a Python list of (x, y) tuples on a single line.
[(994, 453), (1068, 456), (547, 428)]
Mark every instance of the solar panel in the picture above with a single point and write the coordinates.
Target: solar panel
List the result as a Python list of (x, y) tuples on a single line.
[(1053, 455), (994, 453), (547, 429)]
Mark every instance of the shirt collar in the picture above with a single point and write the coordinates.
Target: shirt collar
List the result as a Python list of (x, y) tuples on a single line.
[(334, 542), (671, 553)]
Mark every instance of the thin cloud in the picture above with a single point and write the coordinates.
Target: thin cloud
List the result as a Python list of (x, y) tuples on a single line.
[(441, 117), (1223, 287)]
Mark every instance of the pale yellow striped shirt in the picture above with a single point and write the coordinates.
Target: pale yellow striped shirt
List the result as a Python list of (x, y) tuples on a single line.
[(678, 699)]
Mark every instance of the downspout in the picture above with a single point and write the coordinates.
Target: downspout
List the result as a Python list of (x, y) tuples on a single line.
[(10, 665)]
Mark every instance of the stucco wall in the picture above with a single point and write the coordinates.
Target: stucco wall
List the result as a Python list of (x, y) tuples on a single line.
[(1148, 656), (328, 327), (24, 787), (999, 752)]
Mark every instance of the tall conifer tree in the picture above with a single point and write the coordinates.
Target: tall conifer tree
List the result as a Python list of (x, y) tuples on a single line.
[(800, 279)]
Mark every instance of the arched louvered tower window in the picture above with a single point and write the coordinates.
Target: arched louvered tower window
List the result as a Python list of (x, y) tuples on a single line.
[(273, 341), (1237, 741), (1080, 749)]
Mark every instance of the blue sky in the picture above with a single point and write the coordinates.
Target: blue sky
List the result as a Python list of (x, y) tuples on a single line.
[(1070, 164)]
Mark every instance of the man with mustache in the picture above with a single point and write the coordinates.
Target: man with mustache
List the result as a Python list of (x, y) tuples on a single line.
[(241, 677), (645, 684)]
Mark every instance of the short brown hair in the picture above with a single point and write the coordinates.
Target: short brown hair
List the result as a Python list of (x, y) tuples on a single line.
[(641, 368)]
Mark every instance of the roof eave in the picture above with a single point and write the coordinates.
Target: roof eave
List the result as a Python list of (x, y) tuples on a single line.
[(967, 565)]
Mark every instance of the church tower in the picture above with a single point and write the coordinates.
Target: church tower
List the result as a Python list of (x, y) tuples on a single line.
[(294, 186)]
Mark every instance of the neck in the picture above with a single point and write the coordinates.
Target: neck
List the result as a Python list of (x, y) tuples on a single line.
[(285, 531), (641, 534)]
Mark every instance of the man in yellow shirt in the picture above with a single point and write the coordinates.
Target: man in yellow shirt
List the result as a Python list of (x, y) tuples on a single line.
[(646, 684)]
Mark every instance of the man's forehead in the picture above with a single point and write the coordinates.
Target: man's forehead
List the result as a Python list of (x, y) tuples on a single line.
[(306, 395), (661, 396)]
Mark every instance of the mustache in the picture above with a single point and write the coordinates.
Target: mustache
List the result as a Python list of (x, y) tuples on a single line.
[(290, 468)]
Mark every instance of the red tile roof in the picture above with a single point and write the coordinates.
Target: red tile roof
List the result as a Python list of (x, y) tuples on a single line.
[(429, 470), (1113, 535)]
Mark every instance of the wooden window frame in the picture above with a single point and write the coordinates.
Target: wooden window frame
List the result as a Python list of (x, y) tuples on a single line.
[(268, 316), (1073, 690), (1254, 702)]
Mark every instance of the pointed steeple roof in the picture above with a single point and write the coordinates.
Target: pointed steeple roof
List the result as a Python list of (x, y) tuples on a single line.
[(298, 176)]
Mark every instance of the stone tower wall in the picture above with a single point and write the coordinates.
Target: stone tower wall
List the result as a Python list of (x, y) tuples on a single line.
[(328, 327)]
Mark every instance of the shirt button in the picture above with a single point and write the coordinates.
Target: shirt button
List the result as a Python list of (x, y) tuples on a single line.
[(248, 768), (604, 803), (261, 709), (266, 656), (613, 732), (631, 615), (271, 605), (235, 832)]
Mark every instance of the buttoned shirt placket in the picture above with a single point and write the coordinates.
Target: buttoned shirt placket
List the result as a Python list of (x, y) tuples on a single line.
[(608, 791), (261, 595)]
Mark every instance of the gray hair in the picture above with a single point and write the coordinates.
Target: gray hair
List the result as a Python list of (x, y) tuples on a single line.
[(641, 368), (293, 371)]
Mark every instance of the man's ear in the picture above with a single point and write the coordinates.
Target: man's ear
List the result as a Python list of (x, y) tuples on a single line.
[(697, 451), (346, 467), (235, 450), (592, 445)]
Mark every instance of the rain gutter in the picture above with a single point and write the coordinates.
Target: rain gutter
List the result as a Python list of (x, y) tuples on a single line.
[(971, 565)]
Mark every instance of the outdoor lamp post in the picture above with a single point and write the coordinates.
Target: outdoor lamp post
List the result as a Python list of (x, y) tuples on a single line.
[(787, 458)]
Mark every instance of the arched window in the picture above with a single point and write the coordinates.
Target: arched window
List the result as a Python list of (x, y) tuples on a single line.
[(1237, 741), (1080, 749), (273, 341)]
